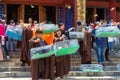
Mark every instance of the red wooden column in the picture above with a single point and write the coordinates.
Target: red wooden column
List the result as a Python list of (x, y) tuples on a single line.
[(112, 6), (75, 13)]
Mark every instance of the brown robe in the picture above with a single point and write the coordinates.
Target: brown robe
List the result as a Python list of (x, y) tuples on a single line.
[(85, 48), (26, 35), (41, 68), (19, 44), (62, 64), (67, 64)]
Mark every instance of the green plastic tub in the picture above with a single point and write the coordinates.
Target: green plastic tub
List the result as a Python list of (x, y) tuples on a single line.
[(66, 47), (41, 52), (49, 28), (48, 31), (91, 68), (108, 32)]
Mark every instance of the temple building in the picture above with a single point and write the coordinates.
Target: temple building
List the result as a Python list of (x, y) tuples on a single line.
[(60, 11)]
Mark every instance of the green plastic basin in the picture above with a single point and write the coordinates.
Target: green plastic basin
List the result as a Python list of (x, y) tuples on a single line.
[(67, 51), (38, 55)]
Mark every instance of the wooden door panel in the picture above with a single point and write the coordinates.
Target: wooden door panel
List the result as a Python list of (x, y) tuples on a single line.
[(42, 13)]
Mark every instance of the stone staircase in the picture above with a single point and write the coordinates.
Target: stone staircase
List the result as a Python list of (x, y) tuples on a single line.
[(10, 68)]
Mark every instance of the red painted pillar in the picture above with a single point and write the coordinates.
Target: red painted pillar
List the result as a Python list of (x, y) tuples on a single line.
[(75, 13), (112, 6)]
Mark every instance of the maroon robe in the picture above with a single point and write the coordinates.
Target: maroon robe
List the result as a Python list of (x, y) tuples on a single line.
[(85, 48), (62, 64), (24, 56), (41, 68)]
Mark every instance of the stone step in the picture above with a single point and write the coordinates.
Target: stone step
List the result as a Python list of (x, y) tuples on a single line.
[(11, 60), (93, 59), (94, 56), (6, 64), (73, 60), (92, 78), (14, 74), (13, 54), (68, 78), (2, 63), (97, 74), (105, 68), (71, 73), (27, 68), (15, 68), (107, 63), (16, 50)]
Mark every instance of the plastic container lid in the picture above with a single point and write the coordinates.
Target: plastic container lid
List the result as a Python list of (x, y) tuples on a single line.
[(41, 52), (66, 47), (108, 32), (76, 35)]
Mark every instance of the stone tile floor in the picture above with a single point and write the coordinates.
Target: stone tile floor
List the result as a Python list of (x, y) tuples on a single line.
[(70, 78)]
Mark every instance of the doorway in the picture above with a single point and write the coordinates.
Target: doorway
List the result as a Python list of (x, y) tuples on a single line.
[(50, 14), (89, 15), (31, 11), (12, 12), (100, 13)]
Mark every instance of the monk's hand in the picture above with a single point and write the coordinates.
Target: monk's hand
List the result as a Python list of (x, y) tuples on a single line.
[(61, 38), (56, 39), (70, 29), (37, 40)]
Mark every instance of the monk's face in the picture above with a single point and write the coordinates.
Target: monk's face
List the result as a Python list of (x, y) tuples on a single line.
[(30, 20), (39, 35), (62, 27), (59, 33)]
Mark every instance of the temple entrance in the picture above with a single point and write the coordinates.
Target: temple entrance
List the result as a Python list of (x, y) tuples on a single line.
[(50, 14), (31, 11), (100, 13), (95, 14), (40, 13), (13, 12), (89, 15)]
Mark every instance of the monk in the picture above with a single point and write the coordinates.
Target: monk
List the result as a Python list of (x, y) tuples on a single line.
[(85, 47), (59, 61), (27, 34), (41, 68), (37, 66), (67, 57), (25, 57)]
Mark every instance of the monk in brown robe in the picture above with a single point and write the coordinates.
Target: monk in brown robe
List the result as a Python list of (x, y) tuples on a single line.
[(41, 68), (59, 61), (85, 47), (24, 56), (26, 36), (66, 58)]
